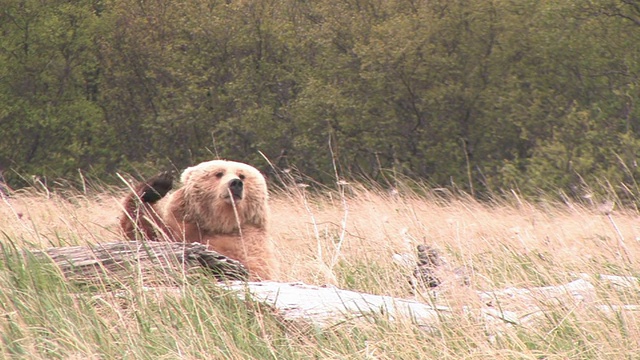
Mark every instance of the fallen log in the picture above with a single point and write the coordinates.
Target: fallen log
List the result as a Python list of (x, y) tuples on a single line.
[(321, 306), (326, 306), (122, 259)]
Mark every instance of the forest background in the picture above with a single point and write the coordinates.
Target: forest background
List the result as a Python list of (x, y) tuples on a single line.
[(532, 95)]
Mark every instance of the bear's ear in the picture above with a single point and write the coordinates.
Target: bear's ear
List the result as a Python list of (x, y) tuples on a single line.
[(187, 174)]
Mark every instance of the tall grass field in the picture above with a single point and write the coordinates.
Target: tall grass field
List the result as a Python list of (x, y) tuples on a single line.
[(350, 238)]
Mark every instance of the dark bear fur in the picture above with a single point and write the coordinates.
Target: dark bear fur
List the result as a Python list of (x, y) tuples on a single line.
[(140, 220)]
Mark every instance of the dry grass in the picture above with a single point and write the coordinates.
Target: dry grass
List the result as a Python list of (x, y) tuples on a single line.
[(349, 240)]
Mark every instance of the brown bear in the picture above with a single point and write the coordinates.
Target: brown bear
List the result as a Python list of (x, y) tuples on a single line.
[(223, 204)]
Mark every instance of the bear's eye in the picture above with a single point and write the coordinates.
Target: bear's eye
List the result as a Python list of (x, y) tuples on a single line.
[(219, 174), (241, 176)]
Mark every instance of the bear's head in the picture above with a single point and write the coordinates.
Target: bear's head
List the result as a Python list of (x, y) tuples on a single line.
[(222, 195)]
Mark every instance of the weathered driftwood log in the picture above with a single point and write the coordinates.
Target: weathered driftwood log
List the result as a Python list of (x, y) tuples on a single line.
[(124, 259), (318, 305), (326, 306)]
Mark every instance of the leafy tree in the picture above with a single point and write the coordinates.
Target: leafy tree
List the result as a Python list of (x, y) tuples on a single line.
[(50, 121), (484, 95)]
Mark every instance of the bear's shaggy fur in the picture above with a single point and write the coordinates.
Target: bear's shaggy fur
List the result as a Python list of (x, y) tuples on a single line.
[(223, 204)]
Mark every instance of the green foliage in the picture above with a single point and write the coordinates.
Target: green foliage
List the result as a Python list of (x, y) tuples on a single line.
[(51, 122), (483, 95)]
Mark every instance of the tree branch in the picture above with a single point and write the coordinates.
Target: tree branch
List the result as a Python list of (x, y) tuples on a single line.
[(119, 258)]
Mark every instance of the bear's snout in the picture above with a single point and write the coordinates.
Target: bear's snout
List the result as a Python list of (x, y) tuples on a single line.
[(235, 187)]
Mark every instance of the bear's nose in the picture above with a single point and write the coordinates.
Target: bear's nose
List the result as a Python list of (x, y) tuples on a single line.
[(235, 186)]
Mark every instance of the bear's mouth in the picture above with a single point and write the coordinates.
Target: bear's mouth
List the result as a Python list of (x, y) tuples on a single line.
[(235, 195)]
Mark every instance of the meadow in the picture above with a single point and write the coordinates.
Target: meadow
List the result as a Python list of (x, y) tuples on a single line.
[(348, 238)]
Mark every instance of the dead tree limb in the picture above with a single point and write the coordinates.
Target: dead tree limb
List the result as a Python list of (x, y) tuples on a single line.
[(320, 306), (326, 306), (122, 259)]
